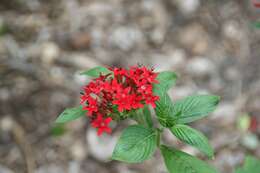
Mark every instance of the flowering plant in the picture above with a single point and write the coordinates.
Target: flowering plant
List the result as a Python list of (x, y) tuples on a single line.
[(116, 94)]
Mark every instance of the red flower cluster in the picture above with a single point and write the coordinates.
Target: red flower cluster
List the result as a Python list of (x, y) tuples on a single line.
[(120, 91)]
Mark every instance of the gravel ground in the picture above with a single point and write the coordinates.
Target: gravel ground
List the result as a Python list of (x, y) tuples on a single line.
[(45, 44)]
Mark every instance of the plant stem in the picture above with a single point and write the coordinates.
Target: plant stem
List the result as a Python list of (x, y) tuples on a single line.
[(158, 135)]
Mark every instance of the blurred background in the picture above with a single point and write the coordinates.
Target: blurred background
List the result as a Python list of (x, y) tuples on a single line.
[(44, 44)]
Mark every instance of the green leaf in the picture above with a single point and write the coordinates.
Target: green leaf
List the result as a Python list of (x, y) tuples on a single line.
[(58, 130), (70, 114), (164, 111), (179, 162), (243, 122), (256, 25), (194, 107), (166, 80), (135, 145), (147, 116), (143, 116), (193, 137), (96, 71), (251, 165)]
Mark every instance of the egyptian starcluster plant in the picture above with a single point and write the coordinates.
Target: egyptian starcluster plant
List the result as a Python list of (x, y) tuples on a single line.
[(115, 94)]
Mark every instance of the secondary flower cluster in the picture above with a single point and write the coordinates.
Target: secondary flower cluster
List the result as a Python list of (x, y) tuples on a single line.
[(120, 91)]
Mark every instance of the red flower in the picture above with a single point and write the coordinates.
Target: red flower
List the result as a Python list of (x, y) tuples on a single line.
[(92, 106), (119, 91), (150, 99), (83, 98), (123, 100), (145, 89), (102, 124), (93, 88), (119, 71), (149, 75), (136, 102), (115, 86), (135, 74), (256, 4), (253, 124)]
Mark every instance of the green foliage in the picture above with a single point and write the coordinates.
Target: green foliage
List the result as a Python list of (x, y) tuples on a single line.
[(95, 72), (251, 165), (138, 142), (192, 137), (172, 116), (148, 116), (179, 162), (135, 145), (3, 29), (143, 117), (166, 80), (184, 111), (243, 122), (164, 111), (58, 130), (256, 25), (194, 107), (70, 114)]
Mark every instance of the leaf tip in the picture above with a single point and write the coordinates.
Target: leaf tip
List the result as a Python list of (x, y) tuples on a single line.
[(216, 99), (58, 120), (211, 154)]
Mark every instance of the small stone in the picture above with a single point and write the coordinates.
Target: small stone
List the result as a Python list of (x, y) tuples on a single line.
[(190, 150), (200, 66), (50, 169), (81, 41), (226, 159), (177, 58), (4, 94), (250, 141), (216, 83), (188, 7), (80, 79), (181, 92), (124, 169), (232, 74), (100, 8), (126, 37), (162, 62), (225, 138), (78, 151), (225, 114), (6, 124), (194, 38), (171, 60), (231, 29), (97, 36), (101, 147), (74, 167), (59, 98), (50, 52), (4, 169), (57, 74), (82, 61)]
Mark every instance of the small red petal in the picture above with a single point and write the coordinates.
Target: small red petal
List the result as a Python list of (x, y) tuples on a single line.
[(99, 132), (253, 124), (256, 4)]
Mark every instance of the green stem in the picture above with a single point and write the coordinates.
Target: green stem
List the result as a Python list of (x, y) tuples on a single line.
[(158, 135), (137, 118)]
